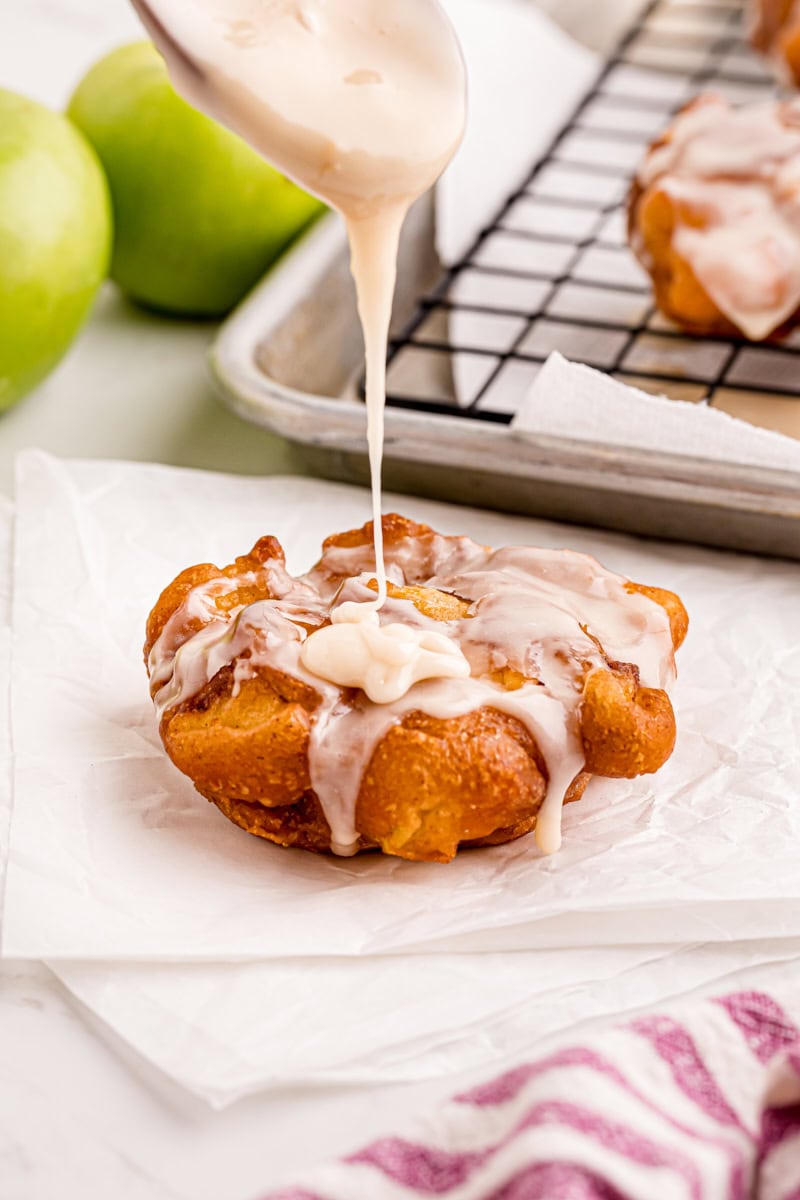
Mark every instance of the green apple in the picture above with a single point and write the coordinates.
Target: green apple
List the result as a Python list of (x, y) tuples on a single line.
[(55, 239), (198, 215)]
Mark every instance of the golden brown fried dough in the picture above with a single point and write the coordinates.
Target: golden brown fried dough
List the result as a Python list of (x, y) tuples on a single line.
[(672, 605), (775, 32), (712, 217), (653, 217), (627, 730), (431, 785)]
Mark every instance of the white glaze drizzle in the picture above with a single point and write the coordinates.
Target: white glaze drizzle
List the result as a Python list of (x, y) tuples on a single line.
[(356, 651), (542, 613), (739, 169)]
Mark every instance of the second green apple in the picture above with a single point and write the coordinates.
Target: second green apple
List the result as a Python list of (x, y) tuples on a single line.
[(199, 216)]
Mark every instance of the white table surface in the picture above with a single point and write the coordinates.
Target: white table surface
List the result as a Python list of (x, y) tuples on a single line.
[(79, 1115)]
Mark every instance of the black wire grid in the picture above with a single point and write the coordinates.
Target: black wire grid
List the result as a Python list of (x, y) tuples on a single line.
[(553, 270)]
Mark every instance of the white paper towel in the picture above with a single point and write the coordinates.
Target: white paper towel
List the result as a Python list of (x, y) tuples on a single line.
[(114, 856), (569, 400)]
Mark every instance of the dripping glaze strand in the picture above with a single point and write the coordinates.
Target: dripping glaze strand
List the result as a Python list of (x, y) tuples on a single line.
[(362, 102)]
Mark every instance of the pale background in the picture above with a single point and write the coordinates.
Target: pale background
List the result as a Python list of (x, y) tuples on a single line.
[(79, 1117)]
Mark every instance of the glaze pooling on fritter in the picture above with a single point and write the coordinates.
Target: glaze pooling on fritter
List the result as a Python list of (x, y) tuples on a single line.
[(551, 616), (737, 172), (384, 659)]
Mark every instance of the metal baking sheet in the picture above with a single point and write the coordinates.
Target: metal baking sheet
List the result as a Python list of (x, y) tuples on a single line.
[(290, 358)]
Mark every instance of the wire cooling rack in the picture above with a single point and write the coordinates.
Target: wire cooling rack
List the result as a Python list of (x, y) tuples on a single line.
[(553, 270)]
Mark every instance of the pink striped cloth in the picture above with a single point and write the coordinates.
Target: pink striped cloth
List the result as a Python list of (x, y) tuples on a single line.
[(699, 1104)]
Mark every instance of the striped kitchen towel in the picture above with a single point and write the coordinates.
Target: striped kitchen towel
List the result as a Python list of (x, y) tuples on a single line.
[(702, 1103)]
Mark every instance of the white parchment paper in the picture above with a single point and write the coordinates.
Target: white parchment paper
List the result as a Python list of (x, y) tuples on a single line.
[(113, 855), (225, 1031), (222, 1031), (570, 400)]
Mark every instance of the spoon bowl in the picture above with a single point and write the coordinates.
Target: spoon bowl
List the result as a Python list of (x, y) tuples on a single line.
[(352, 99)]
